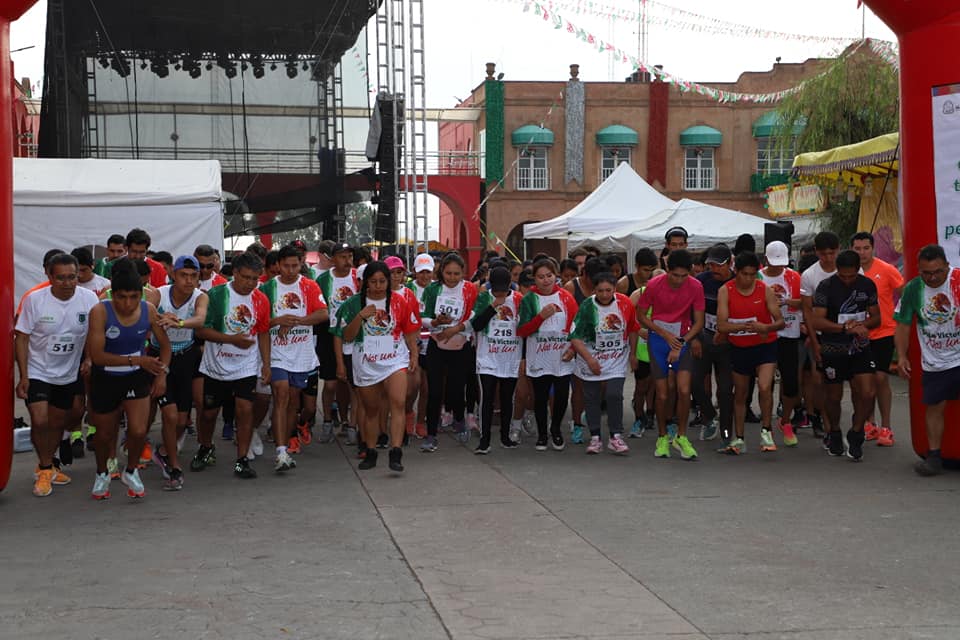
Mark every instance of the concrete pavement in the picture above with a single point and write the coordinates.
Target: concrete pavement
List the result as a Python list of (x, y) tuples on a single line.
[(516, 545)]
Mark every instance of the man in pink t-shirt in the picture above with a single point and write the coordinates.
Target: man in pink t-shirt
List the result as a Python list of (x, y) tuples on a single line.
[(678, 305)]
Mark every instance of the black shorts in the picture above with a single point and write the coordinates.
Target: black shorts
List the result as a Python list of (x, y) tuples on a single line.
[(745, 360), (642, 372), (108, 392), (788, 362), (217, 392), (313, 385), (882, 349), (837, 368), (58, 395), (196, 368), (324, 348), (422, 359), (940, 385), (180, 380)]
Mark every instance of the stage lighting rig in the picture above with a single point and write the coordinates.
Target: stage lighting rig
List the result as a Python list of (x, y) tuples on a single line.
[(291, 65)]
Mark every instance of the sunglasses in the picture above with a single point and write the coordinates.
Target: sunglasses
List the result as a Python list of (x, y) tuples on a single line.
[(207, 265)]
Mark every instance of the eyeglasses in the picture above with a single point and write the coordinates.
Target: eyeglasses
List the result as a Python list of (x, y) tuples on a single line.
[(934, 273), (207, 265)]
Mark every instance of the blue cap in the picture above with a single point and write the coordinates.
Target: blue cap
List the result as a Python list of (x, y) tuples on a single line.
[(186, 262)]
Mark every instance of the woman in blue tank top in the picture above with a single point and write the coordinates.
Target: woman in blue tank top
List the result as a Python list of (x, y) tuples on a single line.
[(122, 377)]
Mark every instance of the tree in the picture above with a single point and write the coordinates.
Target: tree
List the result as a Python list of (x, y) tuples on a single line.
[(855, 99), (359, 223)]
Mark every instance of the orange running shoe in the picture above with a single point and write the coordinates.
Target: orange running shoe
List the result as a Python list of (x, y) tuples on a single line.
[(59, 477), (145, 456), (411, 423), (306, 436), (44, 483), (871, 431), (885, 437), (294, 445), (789, 436)]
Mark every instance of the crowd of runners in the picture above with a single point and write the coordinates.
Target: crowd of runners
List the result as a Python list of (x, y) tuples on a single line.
[(389, 354)]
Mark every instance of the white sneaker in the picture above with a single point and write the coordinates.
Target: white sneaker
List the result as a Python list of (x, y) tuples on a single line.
[(472, 422), (101, 486), (133, 482), (256, 444), (351, 436), (284, 462), (515, 430)]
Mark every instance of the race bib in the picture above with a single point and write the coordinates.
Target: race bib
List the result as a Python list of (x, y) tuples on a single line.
[(844, 318), (451, 306), (710, 322), (124, 368), (609, 341), (180, 335), (553, 324), (742, 321), (376, 346), (64, 345), (501, 329)]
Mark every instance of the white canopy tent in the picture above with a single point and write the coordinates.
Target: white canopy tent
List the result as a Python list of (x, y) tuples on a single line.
[(622, 197), (64, 203)]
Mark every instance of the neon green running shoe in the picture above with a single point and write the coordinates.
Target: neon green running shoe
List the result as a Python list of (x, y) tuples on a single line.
[(682, 444), (663, 448)]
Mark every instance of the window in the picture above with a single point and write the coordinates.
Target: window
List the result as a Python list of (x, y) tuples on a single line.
[(532, 171), (699, 173), (772, 160), (611, 159)]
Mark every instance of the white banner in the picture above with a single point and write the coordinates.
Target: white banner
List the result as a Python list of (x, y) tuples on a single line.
[(946, 167)]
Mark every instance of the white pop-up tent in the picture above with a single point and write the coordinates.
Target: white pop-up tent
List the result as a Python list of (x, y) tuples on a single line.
[(623, 197), (65, 203)]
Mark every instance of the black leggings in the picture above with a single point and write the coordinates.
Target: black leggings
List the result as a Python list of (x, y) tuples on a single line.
[(488, 385), (447, 373), (541, 396)]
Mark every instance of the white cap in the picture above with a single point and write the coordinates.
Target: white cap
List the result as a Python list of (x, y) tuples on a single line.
[(777, 254), (423, 262)]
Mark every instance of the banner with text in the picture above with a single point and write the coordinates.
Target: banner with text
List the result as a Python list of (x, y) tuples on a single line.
[(946, 167)]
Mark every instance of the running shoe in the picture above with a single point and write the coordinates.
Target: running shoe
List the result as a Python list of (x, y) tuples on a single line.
[(617, 445), (162, 462), (541, 444), (834, 441), (482, 448), (736, 447), (146, 456), (528, 424), (228, 431), (472, 422), (383, 441), (113, 468), (710, 430), (885, 437), (101, 486), (174, 482), (242, 469), (595, 446), (77, 447), (293, 446), (59, 477), (672, 428), (446, 419), (421, 430), (205, 457), (663, 447), (43, 485), (508, 442), (351, 436), (395, 460), (133, 482), (305, 434), (871, 431), (752, 417), (789, 437), (326, 433), (515, 430), (766, 441), (369, 461), (929, 467), (636, 431), (855, 445), (576, 434), (799, 419), (256, 443), (66, 453), (556, 441), (429, 444), (682, 444), (284, 462), (462, 432)]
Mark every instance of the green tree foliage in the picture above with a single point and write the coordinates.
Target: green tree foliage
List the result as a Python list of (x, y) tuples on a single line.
[(856, 99)]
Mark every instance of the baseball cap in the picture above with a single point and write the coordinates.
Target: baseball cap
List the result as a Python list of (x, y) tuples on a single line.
[(777, 254), (186, 262), (340, 247), (718, 254), (393, 262), (423, 262), (499, 280)]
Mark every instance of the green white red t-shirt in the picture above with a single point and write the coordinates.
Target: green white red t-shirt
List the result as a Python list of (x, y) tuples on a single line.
[(605, 330), (294, 349), (337, 290), (547, 340), (499, 347), (379, 349), (231, 313), (938, 320)]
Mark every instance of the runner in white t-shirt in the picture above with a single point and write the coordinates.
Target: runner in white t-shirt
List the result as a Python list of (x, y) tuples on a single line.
[(827, 245), (423, 266), (86, 277), (51, 332)]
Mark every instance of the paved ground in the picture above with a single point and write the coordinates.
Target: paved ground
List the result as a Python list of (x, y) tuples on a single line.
[(794, 545)]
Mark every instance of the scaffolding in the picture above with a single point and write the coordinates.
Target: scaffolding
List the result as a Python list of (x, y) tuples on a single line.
[(401, 85)]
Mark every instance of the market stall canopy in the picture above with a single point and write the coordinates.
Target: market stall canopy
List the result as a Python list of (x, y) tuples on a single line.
[(622, 197), (851, 164)]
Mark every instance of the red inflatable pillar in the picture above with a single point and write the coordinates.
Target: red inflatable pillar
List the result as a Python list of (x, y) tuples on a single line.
[(926, 30), (10, 10)]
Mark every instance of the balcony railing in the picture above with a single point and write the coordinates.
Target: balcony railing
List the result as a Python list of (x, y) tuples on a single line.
[(699, 179), (532, 179)]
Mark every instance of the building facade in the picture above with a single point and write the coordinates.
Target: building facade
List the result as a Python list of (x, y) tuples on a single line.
[(545, 146)]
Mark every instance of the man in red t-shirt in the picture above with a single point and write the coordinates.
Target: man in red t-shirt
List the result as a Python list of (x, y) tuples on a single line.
[(889, 284), (137, 243)]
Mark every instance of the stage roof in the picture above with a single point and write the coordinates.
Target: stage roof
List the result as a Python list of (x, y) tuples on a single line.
[(315, 28)]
